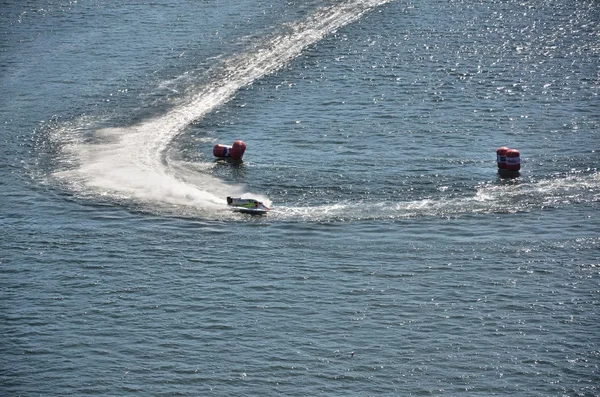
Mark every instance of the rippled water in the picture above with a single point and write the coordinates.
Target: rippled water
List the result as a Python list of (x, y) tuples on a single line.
[(396, 260)]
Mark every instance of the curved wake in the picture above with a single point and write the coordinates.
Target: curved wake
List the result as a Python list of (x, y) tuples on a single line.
[(127, 163)]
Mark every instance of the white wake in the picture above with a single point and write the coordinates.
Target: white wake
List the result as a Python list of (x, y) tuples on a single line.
[(126, 163)]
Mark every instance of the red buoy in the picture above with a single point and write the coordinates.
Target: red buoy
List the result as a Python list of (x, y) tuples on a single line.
[(513, 160), (222, 151), (237, 150), (501, 157)]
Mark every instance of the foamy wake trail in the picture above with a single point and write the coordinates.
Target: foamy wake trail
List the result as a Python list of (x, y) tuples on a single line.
[(128, 163), (489, 198)]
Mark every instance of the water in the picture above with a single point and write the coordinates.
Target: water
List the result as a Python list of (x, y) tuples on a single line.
[(396, 261)]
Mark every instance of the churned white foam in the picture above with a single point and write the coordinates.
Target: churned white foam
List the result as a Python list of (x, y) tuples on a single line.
[(129, 163)]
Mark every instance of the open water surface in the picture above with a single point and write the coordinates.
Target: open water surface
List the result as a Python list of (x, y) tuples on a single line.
[(395, 261)]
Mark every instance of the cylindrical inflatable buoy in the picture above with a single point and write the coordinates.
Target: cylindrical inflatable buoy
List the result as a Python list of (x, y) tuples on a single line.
[(237, 150), (222, 151), (513, 160), (501, 157)]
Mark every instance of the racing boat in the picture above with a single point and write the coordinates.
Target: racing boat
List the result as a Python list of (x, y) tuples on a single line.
[(247, 206)]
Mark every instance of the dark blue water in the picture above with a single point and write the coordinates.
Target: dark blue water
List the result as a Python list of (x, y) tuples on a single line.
[(395, 261)]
